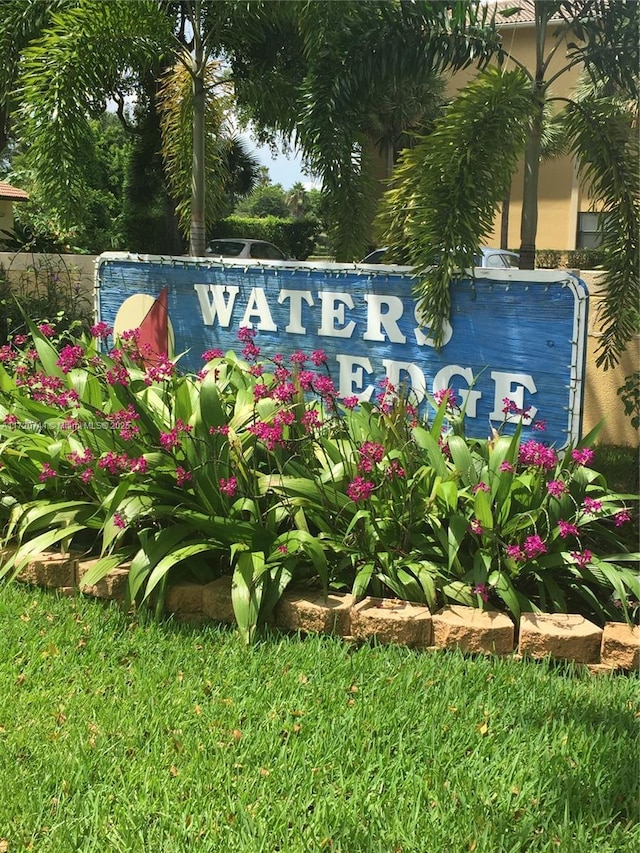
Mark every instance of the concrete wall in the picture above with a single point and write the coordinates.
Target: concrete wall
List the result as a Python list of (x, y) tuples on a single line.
[(74, 273), (601, 399)]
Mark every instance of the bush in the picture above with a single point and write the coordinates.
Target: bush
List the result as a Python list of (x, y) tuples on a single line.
[(296, 237), (48, 290), (260, 470)]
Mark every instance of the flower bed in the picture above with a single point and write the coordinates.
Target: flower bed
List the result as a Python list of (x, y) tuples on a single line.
[(260, 472)]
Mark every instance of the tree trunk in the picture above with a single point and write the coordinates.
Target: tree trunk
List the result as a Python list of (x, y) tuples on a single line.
[(529, 221), (197, 235), (504, 220)]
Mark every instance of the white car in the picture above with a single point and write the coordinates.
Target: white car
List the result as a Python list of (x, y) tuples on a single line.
[(236, 247), (492, 258)]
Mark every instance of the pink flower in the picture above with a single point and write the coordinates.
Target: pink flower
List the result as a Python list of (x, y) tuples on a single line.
[(7, 354), (246, 333), (69, 358), (282, 549), (19, 340), (350, 402), (621, 517), (101, 330), (360, 489), (270, 434), (582, 557), (480, 487), (534, 547), (117, 375), (162, 370), (47, 330), (284, 418), (210, 354), (567, 529), (371, 454), (540, 426), (507, 466), (556, 488), (583, 456), (443, 394), (516, 553), (476, 527), (220, 430), (260, 390), (311, 419), (86, 475), (182, 476), (228, 486), (10, 420), (119, 521), (591, 505), (538, 455), (250, 351), (318, 357), (482, 590), (298, 357), (46, 473), (324, 386), (284, 392), (256, 370), (396, 470)]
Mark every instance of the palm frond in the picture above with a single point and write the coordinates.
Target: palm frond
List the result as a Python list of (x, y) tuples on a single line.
[(174, 99), (63, 85), (604, 137), (446, 190)]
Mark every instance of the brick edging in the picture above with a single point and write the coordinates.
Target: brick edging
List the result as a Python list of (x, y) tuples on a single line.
[(560, 636)]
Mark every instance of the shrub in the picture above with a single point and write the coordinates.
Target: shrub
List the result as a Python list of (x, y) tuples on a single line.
[(48, 290), (259, 470), (296, 237)]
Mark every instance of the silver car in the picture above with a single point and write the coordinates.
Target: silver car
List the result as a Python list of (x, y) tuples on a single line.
[(236, 247), (491, 258)]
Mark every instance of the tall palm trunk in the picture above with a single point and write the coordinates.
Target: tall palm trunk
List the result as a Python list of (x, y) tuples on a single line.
[(197, 233), (529, 220)]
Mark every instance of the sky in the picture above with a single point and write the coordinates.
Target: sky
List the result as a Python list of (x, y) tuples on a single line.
[(283, 169)]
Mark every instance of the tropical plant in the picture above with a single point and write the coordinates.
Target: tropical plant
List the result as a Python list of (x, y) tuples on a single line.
[(320, 75), (64, 83), (258, 470), (446, 191)]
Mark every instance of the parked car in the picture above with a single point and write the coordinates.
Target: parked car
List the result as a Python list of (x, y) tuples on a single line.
[(232, 247), (492, 258)]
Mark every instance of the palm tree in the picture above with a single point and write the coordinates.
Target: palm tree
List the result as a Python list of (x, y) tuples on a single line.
[(320, 72), (93, 52), (446, 191)]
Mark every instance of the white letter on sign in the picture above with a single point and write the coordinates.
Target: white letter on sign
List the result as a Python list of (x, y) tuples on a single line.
[(351, 371), (442, 380), (332, 314), (376, 320), (217, 307), (426, 340), (295, 298), (417, 381), (503, 382), (258, 306)]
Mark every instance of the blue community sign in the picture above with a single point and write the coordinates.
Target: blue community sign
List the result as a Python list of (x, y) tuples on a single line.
[(513, 335)]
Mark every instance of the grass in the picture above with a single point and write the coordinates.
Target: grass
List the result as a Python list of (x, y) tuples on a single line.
[(119, 736)]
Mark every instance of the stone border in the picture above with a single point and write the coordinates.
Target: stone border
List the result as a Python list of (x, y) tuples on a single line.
[(568, 637)]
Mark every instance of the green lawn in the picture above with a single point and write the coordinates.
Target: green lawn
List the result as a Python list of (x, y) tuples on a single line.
[(121, 737)]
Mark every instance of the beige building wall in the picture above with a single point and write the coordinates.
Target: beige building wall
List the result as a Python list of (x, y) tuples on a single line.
[(559, 199), (6, 216)]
